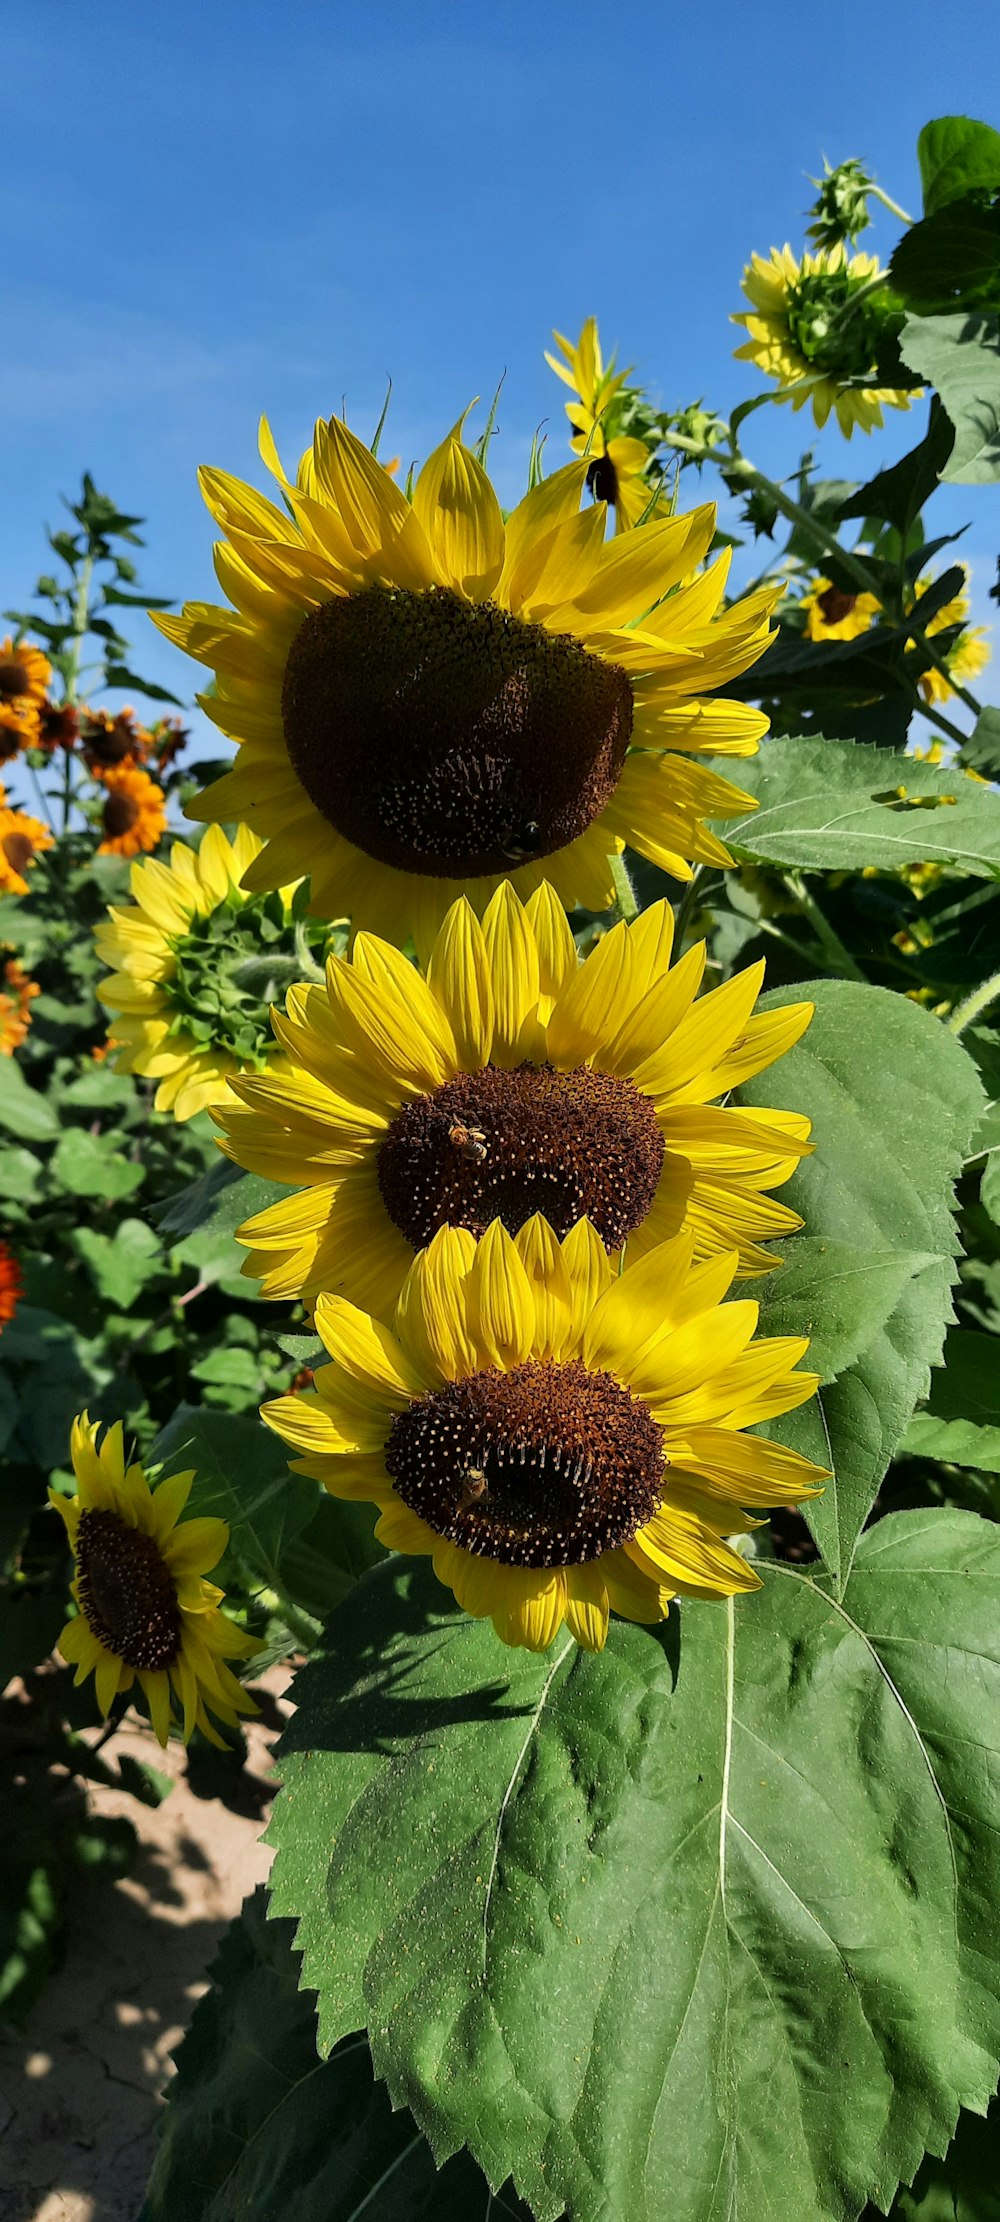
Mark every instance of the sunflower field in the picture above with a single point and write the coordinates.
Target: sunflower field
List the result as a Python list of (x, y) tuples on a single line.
[(500, 1171)]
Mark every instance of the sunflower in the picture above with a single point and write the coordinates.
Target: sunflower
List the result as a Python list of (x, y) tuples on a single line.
[(616, 461), (10, 1284), (24, 678), (810, 330), (144, 1609), (832, 614), (135, 813), (21, 840), (194, 961), (559, 1439), (429, 701), (17, 993), (512, 1078), (968, 656)]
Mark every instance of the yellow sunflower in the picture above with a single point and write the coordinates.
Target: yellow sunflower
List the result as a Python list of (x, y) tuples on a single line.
[(135, 813), (191, 974), (514, 1078), (616, 461), (24, 678), (969, 656), (429, 701), (145, 1610), (832, 614), (808, 330), (560, 1440), (17, 993), (22, 838)]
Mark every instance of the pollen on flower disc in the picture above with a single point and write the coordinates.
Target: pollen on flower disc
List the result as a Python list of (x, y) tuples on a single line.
[(550, 1465), (127, 1593), (449, 737), (502, 1145)]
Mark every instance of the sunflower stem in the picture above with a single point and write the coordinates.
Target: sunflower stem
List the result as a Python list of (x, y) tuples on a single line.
[(892, 206), (830, 942), (626, 899), (980, 999)]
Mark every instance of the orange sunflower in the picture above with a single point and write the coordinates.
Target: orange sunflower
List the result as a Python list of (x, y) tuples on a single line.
[(15, 997), (24, 677), (134, 815), (21, 839), (10, 1284)]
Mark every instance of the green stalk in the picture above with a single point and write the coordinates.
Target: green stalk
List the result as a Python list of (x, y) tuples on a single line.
[(980, 999), (838, 957), (81, 618), (626, 901)]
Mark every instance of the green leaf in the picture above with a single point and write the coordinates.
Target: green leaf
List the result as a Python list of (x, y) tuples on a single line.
[(897, 495), (981, 748), (148, 1784), (957, 156), (894, 1100), (241, 1474), (960, 355), (120, 1264), (989, 1191), (22, 1110), (258, 2128), (836, 806), (93, 1165), (965, 2185), (718, 1912), (950, 261), (836, 1294), (117, 675), (962, 1420)]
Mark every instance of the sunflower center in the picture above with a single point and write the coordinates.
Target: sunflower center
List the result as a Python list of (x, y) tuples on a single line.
[(835, 605), (550, 1465), (127, 1593), (448, 737), (504, 1144), (120, 813), (14, 679), (602, 480), (18, 850)]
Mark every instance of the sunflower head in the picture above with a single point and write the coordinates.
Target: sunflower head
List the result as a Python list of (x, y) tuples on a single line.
[(561, 1441), (134, 815), (22, 838), (195, 962), (110, 741), (608, 419), (428, 698), (833, 613), (17, 992), (145, 1611), (513, 1078), (24, 678), (10, 1284), (812, 327), (967, 656)]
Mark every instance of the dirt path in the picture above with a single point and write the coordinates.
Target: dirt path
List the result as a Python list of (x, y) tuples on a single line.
[(81, 2089)]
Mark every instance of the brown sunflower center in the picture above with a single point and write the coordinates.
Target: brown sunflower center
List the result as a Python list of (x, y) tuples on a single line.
[(550, 1465), (602, 480), (504, 1144), (14, 679), (448, 737), (127, 1593), (835, 605), (18, 850), (119, 815)]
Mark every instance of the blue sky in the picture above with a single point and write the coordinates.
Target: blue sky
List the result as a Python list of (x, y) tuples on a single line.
[(246, 205)]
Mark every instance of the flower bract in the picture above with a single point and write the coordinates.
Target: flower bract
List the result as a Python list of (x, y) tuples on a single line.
[(429, 699), (146, 1612), (808, 329), (512, 1079), (561, 1441), (194, 960)]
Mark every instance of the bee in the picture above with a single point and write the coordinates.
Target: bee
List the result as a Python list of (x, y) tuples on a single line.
[(522, 841), (469, 1141), (475, 1488)]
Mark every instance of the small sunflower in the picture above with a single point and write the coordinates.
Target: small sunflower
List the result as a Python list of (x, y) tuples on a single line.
[(109, 741), (135, 813), (560, 1440), (969, 655), (832, 614), (145, 1610), (10, 1284), (429, 700), (194, 963), (24, 678), (617, 462), (22, 838), (514, 1078), (17, 993), (808, 330)]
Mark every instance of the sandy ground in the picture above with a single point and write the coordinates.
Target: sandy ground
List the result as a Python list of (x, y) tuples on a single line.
[(81, 2089)]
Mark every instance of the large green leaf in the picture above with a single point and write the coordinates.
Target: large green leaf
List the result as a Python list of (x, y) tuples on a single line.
[(965, 2185), (701, 1927), (962, 1421), (259, 2129), (950, 261), (957, 156), (896, 495), (960, 355), (837, 806), (837, 1294), (23, 1111), (894, 1101)]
